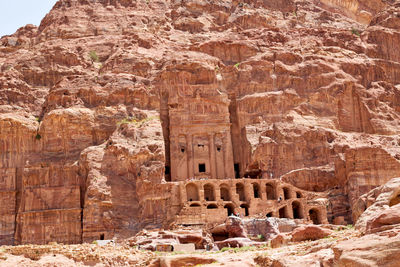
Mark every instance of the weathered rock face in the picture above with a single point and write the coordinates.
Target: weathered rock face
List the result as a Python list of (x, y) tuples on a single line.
[(108, 107), (377, 210), (309, 232), (371, 250)]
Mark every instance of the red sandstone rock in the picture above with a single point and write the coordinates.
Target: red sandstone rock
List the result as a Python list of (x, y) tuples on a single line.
[(182, 261), (378, 208), (278, 241), (266, 228), (108, 104), (309, 232), (323, 257), (150, 240), (387, 218), (235, 228), (237, 242), (371, 250)]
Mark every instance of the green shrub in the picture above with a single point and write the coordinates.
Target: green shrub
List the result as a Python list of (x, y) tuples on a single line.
[(355, 31), (93, 56), (237, 65), (38, 136), (225, 249)]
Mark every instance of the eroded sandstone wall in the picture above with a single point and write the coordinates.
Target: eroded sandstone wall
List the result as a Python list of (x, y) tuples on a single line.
[(93, 100)]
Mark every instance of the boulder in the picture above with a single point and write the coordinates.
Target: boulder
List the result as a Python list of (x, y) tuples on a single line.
[(323, 258), (369, 250), (235, 227), (236, 242), (268, 227), (278, 241), (385, 220), (309, 232), (379, 202)]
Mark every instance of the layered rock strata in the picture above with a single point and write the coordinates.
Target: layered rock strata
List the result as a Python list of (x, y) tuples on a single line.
[(109, 109)]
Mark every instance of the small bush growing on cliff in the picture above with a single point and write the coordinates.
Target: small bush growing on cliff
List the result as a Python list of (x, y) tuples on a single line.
[(237, 65), (355, 31), (38, 136), (93, 56)]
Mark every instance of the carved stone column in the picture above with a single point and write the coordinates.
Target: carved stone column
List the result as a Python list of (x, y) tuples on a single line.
[(189, 141), (213, 161)]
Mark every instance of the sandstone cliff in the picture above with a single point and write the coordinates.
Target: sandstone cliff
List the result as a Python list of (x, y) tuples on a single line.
[(90, 101)]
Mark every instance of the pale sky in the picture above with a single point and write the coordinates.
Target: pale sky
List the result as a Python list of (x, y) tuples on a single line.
[(17, 13)]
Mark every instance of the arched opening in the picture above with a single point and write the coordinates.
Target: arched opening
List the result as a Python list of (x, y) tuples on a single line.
[(283, 213), (395, 200), (240, 191), (298, 195), (195, 205), (212, 206), (229, 209), (224, 191), (209, 192), (256, 190), (101, 236), (270, 192), (286, 193), (269, 214), (297, 210), (192, 192), (246, 209), (314, 216)]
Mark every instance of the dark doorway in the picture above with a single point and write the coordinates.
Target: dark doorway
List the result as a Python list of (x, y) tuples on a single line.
[(102, 237), (298, 194), (314, 216), (286, 193), (269, 214), (270, 192), (229, 209), (167, 174), (224, 192), (192, 192), (209, 192), (256, 190), (240, 191), (237, 170), (246, 209), (282, 213), (202, 167), (297, 212)]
